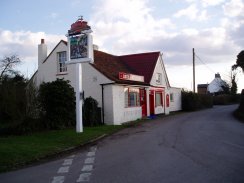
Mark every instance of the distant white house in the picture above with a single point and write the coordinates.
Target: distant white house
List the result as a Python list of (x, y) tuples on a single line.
[(217, 85), (127, 87)]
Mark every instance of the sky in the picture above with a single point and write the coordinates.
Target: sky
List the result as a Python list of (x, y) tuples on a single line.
[(214, 28)]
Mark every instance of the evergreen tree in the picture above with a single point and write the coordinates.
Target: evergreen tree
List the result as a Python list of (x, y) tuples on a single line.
[(233, 89), (239, 61)]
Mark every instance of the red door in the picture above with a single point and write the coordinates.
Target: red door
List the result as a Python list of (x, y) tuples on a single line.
[(151, 102), (143, 102)]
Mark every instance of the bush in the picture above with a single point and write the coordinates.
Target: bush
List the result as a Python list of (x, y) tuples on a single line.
[(239, 113), (226, 99), (91, 112), (241, 107), (206, 101), (26, 126), (193, 101), (57, 104), (12, 99), (223, 99)]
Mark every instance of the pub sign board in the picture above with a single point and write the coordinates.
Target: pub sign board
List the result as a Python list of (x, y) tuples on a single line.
[(79, 46)]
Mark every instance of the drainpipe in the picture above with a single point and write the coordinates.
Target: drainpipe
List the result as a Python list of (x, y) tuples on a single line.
[(102, 103)]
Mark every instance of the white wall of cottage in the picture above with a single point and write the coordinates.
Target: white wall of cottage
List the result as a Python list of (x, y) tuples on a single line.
[(175, 104)]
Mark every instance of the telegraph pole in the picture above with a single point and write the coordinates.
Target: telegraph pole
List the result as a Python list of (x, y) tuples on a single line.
[(193, 54)]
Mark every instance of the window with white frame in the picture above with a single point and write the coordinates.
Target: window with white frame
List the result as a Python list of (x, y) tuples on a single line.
[(158, 78), (171, 97), (132, 98), (158, 99), (62, 57)]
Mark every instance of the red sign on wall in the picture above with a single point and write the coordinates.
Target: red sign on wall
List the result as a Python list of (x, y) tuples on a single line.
[(131, 77)]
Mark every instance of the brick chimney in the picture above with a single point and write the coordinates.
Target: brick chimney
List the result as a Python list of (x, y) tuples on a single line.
[(42, 52)]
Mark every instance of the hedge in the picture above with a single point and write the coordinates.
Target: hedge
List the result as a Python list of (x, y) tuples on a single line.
[(193, 101), (239, 112)]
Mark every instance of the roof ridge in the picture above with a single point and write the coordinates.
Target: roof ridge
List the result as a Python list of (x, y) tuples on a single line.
[(142, 53)]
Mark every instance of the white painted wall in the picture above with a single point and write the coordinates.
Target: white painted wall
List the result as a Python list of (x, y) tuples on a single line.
[(48, 71), (159, 110), (92, 80), (118, 103), (132, 114), (114, 107), (120, 113), (175, 105), (159, 68), (108, 105), (164, 83)]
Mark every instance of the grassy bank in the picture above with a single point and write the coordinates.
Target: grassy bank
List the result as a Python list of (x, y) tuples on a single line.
[(17, 151)]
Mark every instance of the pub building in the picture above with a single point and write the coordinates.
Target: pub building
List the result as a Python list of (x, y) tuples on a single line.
[(127, 87)]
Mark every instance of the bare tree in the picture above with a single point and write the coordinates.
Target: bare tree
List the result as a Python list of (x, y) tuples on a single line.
[(7, 65)]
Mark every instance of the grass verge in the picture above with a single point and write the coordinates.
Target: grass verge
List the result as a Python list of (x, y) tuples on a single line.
[(17, 151)]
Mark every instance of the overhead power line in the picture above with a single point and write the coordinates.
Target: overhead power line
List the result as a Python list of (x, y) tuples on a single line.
[(204, 64)]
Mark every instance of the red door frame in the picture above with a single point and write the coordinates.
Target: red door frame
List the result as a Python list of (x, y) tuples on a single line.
[(151, 102), (143, 102)]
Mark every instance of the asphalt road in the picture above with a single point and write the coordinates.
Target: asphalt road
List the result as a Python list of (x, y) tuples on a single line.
[(200, 147)]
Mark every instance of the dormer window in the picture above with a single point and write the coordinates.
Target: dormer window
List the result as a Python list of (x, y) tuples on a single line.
[(62, 57)]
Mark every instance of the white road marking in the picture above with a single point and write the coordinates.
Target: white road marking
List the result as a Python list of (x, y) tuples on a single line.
[(93, 149), (89, 160), (84, 177), (68, 162), (92, 153), (58, 179), (87, 168), (88, 165), (64, 169)]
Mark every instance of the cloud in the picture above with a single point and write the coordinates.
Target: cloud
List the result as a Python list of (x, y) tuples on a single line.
[(127, 20), (206, 3), (234, 8), (24, 43), (211, 42), (192, 12), (120, 32)]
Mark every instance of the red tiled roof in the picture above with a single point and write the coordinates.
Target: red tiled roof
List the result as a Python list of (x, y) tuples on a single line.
[(140, 64)]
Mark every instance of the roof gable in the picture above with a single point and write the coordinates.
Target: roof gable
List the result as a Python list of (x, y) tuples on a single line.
[(160, 68), (62, 41), (142, 64)]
